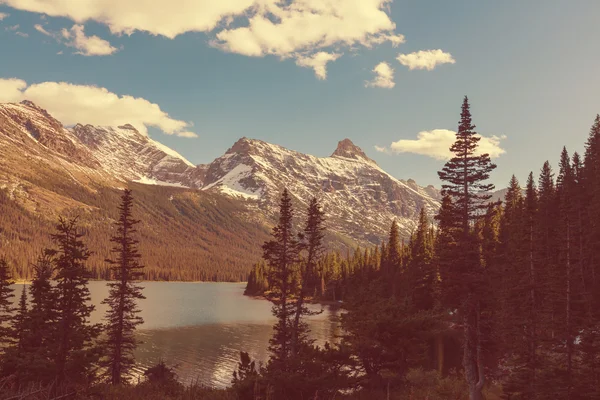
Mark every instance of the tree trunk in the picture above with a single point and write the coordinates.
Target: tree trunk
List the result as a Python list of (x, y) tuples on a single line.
[(472, 351), (439, 346), (532, 315), (569, 339)]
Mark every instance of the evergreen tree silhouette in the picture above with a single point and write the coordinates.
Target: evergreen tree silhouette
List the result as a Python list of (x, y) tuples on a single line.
[(121, 316)]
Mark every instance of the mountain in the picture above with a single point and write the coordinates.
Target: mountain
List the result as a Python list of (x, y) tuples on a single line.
[(190, 213), (47, 171), (129, 155), (359, 198)]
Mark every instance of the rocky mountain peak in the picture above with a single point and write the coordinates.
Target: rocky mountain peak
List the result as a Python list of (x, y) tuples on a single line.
[(245, 146), (30, 104), (347, 149)]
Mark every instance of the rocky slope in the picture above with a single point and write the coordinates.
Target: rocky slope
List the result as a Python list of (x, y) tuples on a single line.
[(47, 171), (360, 199), (129, 155)]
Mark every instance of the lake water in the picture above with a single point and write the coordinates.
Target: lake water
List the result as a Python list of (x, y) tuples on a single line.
[(200, 328)]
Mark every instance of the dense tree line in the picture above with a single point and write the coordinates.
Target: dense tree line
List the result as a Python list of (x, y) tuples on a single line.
[(504, 294), (185, 235)]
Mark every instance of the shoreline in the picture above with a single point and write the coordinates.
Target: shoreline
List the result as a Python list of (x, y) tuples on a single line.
[(28, 281)]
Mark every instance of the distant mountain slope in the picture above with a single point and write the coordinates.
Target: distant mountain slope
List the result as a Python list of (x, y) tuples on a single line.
[(127, 154), (200, 222), (46, 171), (360, 199)]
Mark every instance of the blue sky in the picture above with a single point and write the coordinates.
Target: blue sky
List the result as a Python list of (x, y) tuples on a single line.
[(530, 69)]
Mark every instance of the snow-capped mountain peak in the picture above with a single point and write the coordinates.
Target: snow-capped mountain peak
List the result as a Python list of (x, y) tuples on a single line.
[(130, 155), (347, 149), (360, 199)]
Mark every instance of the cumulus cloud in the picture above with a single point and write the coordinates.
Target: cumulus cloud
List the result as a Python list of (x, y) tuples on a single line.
[(86, 45), (318, 62), (3, 15), (437, 143), (284, 28), (299, 29), (168, 18), (71, 103), (425, 59), (384, 76), (11, 90)]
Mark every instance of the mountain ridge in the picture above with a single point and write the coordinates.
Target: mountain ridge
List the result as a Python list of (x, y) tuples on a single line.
[(360, 199)]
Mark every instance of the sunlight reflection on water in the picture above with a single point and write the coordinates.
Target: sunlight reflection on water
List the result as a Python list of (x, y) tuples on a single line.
[(200, 328)]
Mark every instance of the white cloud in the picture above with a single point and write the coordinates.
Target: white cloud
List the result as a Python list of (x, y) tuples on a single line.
[(318, 62), (71, 103), (11, 90), (425, 59), (22, 34), (300, 29), (3, 15), (382, 149), (41, 29), (284, 28), (384, 76), (76, 38), (159, 17), (86, 45), (437, 143)]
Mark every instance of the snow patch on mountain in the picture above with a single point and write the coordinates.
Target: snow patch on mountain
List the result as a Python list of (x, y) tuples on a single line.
[(231, 183), (149, 181), (169, 151)]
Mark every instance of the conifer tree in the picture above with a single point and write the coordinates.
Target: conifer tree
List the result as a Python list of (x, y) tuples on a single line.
[(510, 272), (465, 177), (589, 377), (20, 322), (6, 304), (12, 362), (445, 247), (75, 356), (566, 285), (421, 265), (530, 212), (591, 188), (42, 321), (394, 250), (312, 245), (282, 254), (122, 314)]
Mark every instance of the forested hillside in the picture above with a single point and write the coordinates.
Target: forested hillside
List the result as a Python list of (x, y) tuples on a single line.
[(505, 292), (185, 234)]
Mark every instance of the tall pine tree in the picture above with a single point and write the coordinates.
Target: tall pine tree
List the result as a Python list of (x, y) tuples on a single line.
[(76, 356), (282, 255), (40, 343), (312, 246), (465, 177), (122, 314)]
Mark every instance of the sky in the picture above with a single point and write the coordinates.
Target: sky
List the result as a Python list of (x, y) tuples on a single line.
[(388, 74)]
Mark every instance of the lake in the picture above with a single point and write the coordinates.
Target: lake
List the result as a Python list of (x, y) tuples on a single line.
[(200, 328)]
